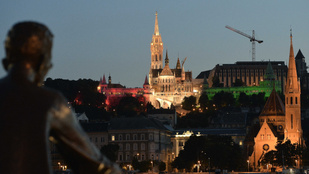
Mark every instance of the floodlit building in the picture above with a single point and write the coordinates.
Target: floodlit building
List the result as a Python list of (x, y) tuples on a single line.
[(279, 123), (167, 86)]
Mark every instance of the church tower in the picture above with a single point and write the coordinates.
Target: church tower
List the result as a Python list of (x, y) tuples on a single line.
[(156, 48), (293, 130)]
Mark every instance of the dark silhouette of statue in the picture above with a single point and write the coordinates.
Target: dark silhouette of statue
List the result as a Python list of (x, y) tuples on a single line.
[(31, 116)]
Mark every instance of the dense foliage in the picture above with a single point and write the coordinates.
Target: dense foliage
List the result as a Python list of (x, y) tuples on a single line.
[(285, 153), (214, 150), (189, 102)]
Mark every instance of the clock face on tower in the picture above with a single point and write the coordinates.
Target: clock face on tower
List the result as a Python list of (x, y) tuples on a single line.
[(265, 147)]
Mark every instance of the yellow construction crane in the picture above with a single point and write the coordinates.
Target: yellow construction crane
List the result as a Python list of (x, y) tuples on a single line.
[(252, 39)]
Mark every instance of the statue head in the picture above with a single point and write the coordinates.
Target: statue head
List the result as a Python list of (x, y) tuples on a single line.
[(29, 44)]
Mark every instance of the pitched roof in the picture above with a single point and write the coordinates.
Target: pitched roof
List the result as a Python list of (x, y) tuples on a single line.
[(274, 105), (299, 55), (135, 123), (95, 126), (166, 71)]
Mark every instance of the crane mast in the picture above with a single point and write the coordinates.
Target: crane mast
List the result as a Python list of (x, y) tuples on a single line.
[(252, 39)]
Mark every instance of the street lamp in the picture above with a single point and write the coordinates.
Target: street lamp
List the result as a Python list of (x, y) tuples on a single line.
[(198, 166), (248, 165), (151, 166)]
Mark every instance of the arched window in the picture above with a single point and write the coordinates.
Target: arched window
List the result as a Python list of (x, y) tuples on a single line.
[(287, 100), (296, 100), (169, 87), (291, 102), (162, 87), (166, 87), (156, 58), (160, 57)]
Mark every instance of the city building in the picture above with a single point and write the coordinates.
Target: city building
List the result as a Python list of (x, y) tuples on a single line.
[(166, 116), (114, 92), (279, 122), (143, 138), (169, 85), (265, 86)]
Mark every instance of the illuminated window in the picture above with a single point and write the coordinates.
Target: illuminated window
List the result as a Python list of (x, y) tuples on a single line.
[(268, 136), (113, 137)]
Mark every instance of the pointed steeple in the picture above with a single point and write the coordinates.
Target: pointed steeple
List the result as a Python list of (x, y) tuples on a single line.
[(293, 130), (156, 29), (166, 70), (166, 59), (146, 81), (104, 80), (178, 64), (292, 73)]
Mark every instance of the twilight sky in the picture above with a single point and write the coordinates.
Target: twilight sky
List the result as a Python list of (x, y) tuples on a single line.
[(99, 37)]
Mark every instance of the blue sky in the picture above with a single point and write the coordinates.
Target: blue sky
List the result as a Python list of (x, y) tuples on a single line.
[(99, 37)]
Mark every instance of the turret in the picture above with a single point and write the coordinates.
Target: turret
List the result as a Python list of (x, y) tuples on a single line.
[(146, 84)]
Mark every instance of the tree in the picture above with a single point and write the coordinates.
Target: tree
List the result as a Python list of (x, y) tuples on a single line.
[(243, 99), (216, 82), (142, 166), (220, 150), (189, 102), (128, 106), (223, 99), (110, 151), (162, 166), (203, 100), (285, 153)]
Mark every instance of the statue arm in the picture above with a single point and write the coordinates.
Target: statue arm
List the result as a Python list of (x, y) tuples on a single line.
[(74, 144)]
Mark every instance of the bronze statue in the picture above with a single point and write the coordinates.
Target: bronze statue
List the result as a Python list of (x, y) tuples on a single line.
[(31, 115)]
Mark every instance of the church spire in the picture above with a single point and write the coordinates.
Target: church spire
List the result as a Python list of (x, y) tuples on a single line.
[(146, 81), (292, 73), (166, 59), (104, 80), (178, 64), (156, 29), (293, 130)]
